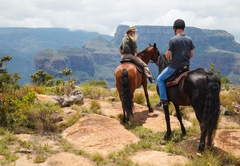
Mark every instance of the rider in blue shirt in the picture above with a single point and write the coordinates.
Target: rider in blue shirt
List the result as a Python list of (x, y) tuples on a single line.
[(180, 51)]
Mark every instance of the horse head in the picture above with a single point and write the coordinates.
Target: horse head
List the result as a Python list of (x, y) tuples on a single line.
[(162, 62), (155, 54), (151, 53)]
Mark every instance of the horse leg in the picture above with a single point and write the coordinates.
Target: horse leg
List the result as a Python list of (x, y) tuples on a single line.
[(124, 117), (167, 119), (201, 146), (180, 119), (150, 109), (210, 139), (199, 114)]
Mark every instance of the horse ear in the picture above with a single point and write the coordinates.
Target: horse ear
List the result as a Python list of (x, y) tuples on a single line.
[(149, 44), (154, 45)]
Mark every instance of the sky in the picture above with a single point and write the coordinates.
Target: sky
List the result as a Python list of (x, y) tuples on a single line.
[(104, 16)]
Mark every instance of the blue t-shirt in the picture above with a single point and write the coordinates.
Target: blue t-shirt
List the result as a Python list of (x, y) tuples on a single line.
[(180, 46)]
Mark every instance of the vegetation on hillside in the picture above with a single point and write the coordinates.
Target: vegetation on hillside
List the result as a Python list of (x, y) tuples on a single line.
[(20, 112)]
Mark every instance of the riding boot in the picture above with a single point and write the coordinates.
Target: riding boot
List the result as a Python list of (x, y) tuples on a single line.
[(148, 74)]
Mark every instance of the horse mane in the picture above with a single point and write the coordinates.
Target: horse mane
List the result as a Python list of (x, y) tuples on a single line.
[(162, 62), (144, 50)]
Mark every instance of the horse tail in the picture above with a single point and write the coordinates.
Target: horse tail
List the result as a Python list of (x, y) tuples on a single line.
[(126, 96), (212, 108)]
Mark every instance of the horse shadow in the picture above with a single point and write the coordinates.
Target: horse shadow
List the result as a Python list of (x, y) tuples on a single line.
[(140, 117), (190, 148)]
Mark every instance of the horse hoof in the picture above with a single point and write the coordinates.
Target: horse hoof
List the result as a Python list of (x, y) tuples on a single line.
[(166, 137), (163, 142), (150, 110), (184, 134)]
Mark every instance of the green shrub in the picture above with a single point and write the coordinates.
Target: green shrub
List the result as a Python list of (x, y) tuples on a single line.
[(227, 98), (13, 108), (139, 98), (44, 115), (152, 87), (114, 93), (98, 83), (93, 90), (154, 99), (95, 107)]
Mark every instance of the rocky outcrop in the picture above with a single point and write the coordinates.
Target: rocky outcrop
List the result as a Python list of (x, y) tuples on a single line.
[(75, 97), (103, 52), (48, 61), (54, 61)]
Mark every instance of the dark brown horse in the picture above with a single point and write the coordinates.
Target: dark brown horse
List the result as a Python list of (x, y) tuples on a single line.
[(199, 88), (128, 78)]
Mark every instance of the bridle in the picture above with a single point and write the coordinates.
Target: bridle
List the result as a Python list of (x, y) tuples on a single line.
[(154, 52)]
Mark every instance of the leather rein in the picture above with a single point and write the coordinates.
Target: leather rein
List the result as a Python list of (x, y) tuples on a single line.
[(154, 52)]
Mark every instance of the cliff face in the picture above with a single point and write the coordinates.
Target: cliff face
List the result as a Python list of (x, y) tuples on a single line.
[(93, 61), (22, 44), (53, 62), (211, 47), (103, 52)]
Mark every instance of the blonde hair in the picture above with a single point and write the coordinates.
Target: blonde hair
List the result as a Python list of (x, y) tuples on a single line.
[(131, 36)]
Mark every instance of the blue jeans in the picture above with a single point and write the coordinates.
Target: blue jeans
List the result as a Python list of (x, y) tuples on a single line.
[(167, 72)]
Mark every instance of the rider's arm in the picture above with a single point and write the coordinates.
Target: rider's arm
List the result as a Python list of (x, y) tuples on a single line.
[(191, 53), (135, 50), (120, 50), (168, 55)]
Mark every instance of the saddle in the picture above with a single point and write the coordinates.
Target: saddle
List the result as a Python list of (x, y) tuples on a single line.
[(176, 76), (139, 68)]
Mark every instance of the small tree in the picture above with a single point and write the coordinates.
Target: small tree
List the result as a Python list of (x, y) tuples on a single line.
[(67, 72), (42, 78), (5, 58), (69, 85), (224, 81), (7, 81)]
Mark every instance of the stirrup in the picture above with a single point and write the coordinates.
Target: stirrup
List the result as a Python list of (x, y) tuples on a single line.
[(164, 102), (158, 104)]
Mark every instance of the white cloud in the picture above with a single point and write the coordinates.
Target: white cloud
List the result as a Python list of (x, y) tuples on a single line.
[(104, 16)]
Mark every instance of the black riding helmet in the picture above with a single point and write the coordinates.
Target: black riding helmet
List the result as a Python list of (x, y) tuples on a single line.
[(179, 24)]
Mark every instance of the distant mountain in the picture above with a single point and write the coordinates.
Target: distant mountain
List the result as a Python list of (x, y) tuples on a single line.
[(23, 43), (97, 59), (95, 56)]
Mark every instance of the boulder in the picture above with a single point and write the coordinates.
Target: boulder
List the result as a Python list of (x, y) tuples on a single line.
[(75, 97)]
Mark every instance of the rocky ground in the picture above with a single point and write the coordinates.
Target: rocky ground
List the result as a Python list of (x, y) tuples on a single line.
[(102, 134)]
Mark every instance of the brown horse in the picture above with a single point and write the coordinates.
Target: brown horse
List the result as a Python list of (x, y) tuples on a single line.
[(128, 78)]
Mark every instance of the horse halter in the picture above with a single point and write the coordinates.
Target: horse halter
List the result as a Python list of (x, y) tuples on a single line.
[(154, 52)]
